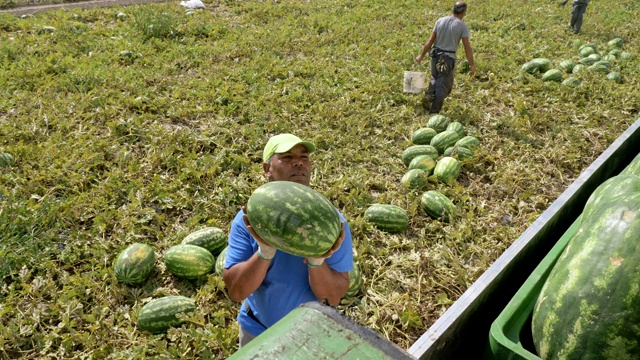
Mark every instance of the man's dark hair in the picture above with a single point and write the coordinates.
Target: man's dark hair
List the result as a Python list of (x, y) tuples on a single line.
[(459, 7)]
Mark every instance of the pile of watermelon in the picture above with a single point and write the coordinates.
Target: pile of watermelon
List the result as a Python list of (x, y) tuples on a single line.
[(193, 258), (609, 60), (588, 305), (437, 153)]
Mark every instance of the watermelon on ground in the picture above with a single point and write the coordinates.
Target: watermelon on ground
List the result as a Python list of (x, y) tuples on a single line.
[(211, 238), (552, 75), (571, 82), (355, 281), (189, 261), (447, 169), (423, 136), (416, 150), (423, 162), (415, 179), (437, 205), (158, 315), (219, 267), (6, 160), (134, 264), (438, 122), (387, 217)]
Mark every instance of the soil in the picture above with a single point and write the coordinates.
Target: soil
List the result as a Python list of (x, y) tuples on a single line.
[(33, 9)]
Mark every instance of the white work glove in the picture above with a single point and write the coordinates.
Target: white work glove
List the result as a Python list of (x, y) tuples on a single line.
[(265, 251), (314, 262)]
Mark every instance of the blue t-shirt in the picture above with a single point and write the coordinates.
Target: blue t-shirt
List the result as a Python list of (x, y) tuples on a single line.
[(286, 285)]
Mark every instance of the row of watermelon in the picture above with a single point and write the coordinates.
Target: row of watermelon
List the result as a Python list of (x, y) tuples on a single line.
[(590, 59), (194, 257), (437, 150), (588, 305)]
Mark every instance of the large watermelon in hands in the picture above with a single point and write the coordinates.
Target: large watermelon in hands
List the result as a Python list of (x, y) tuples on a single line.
[(588, 305), (294, 218), (159, 315), (134, 264)]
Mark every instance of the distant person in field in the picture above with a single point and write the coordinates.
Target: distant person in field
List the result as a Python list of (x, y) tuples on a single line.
[(271, 283), (443, 43), (577, 13)]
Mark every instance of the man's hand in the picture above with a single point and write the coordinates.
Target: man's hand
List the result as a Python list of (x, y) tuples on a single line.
[(317, 261), (265, 251), (563, 3), (419, 58), (472, 69)]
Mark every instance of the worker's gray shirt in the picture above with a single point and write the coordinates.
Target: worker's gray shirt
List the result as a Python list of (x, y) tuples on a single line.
[(449, 30)]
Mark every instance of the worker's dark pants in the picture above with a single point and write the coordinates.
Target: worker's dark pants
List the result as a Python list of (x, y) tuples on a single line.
[(441, 82), (577, 13)]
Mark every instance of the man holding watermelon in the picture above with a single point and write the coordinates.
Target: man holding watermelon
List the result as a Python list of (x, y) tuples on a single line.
[(443, 43), (271, 283)]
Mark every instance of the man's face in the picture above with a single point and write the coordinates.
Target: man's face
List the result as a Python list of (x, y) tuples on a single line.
[(294, 165)]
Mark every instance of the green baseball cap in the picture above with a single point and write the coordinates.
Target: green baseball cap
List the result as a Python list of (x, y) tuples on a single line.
[(282, 143)]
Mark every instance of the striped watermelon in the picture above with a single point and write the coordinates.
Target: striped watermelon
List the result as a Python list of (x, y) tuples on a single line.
[(444, 140), (458, 152), (415, 179), (438, 122), (437, 205), (210, 238), (355, 281), (6, 160), (387, 217), (543, 64), (423, 162), (189, 261), (294, 218), (457, 127), (588, 305), (447, 169), (415, 150), (219, 267), (633, 167), (134, 264), (423, 136), (613, 187), (470, 142), (158, 315)]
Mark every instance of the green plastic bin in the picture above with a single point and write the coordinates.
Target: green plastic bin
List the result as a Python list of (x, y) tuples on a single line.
[(510, 334)]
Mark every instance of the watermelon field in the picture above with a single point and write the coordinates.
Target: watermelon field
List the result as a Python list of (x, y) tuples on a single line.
[(143, 124)]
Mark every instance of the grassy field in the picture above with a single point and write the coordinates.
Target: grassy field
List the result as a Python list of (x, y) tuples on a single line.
[(148, 126)]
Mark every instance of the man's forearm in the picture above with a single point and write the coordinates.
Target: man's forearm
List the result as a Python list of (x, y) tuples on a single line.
[(328, 284), (244, 278)]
